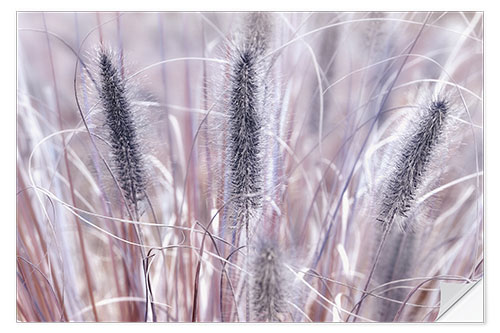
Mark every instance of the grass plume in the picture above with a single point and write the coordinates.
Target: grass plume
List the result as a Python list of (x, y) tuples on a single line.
[(125, 149), (398, 196), (246, 120), (412, 164)]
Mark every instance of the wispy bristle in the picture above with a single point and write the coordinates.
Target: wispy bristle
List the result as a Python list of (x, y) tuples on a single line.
[(126, 152), (268, 290), (412, 164)]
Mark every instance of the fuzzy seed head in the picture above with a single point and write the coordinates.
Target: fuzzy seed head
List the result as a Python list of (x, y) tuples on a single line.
[(245, 136), (412, 164), (119, 120), (245, 114)]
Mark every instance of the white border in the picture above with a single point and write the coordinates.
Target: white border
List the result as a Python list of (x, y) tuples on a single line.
[(8, 136)]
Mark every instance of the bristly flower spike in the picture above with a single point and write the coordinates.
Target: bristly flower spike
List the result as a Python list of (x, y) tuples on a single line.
[(119, 119), (412, 164), (246, 121), (411, 167)]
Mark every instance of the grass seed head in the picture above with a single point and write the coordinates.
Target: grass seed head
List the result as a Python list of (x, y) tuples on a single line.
[(119, 120), (411, 166)]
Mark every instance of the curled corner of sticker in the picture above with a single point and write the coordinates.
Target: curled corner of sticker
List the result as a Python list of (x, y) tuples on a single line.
[(461, 302)]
